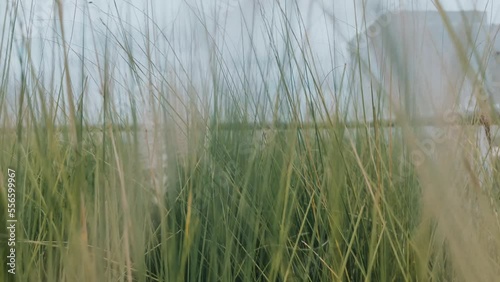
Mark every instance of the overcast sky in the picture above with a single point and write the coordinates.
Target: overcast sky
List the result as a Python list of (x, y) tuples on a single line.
[(187, 22), (322, 18)]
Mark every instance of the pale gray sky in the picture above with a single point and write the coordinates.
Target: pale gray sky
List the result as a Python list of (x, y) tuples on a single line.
[(324, 20), (185, 23)]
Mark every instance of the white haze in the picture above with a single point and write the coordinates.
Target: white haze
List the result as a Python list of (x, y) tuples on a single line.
[(186, 32)]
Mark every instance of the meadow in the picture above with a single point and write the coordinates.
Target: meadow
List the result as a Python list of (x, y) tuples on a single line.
[(245, 173)]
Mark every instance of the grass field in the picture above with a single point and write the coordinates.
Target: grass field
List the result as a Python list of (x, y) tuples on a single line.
[(202, 193)]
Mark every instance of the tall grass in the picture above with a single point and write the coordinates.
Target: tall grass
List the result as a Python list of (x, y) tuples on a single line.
[(201, 192)]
